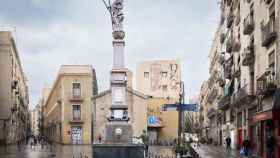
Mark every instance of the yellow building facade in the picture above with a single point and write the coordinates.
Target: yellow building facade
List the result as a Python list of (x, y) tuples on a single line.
[(14, 97), (67, 111), (162, 125)]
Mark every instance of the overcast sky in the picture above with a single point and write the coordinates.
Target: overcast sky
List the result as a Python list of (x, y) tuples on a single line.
[(50, 33)]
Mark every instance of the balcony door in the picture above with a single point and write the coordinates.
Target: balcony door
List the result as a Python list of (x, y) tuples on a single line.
[(76, 89), (76, 112)]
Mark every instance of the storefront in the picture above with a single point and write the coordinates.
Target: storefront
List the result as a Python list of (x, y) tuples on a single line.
[(253, 130), (154, 127), (239, 131), (268, 123)]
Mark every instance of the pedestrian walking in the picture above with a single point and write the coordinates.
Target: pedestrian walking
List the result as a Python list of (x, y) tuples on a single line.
[(99, 138), (228, 143), (246, 147), (270, 142), (32, 144)]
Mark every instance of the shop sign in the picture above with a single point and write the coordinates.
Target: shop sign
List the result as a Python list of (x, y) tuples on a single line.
[(262, 116)]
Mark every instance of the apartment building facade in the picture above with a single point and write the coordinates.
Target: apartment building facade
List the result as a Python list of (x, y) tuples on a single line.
[(248, 54), (162, 125), (36, 116), (67, 111), (159, 78), (14, 98)]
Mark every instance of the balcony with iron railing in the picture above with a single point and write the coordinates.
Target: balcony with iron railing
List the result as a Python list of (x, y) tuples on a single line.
[(229, 44), (212, 112), (222, 20), (237, 71), (221, 59), (267, 1), (248, 24), (228, 68), (222, 37), (269, 33), (14, 108), (243, 95), (237, 18), (212, 79), (221, 81), (230, 19), (232, 45), (229, 2), (212, 95), (248, 56), (266, 86), (248, 1), (224, 103), (14, 84)]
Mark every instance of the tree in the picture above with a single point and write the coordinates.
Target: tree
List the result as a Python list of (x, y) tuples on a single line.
[(144, 137)]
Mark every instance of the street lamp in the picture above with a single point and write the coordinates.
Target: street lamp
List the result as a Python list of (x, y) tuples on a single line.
[(180, 112)]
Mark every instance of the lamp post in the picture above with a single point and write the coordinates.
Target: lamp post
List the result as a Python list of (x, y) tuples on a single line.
[(180, 111)]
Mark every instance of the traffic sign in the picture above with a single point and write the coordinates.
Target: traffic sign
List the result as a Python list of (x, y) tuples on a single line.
[(189, 107), (169, 107), (184, 107)]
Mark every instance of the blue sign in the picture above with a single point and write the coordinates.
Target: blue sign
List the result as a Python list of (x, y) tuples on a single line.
[(169, 107), (184, 107), (153, 120), (189, 107)]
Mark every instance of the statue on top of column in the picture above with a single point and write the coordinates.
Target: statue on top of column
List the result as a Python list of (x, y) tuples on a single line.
[(117, 15)]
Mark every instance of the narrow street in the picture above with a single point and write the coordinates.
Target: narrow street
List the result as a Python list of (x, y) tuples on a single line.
[(211, 151)]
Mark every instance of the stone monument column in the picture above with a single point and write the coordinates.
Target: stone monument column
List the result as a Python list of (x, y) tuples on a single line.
[(118, 128)]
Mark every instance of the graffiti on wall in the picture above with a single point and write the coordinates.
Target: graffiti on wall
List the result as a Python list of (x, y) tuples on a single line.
[(174, 76), (158, 78)]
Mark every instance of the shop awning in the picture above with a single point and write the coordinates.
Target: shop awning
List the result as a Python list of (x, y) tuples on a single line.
[(267, 115)]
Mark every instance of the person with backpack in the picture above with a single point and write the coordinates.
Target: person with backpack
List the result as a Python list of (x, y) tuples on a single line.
[(246, 147)]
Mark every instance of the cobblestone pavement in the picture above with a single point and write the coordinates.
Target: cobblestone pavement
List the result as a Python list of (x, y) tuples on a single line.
[(210, 151)]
